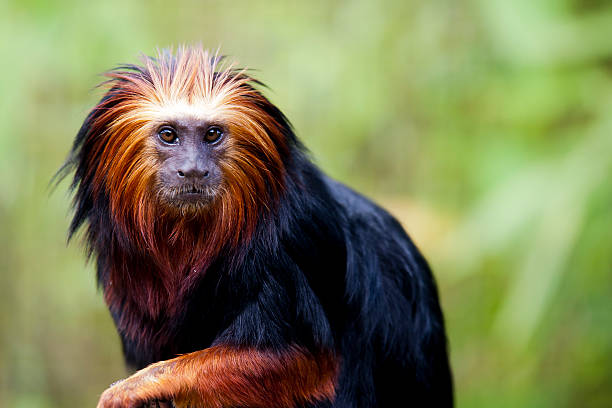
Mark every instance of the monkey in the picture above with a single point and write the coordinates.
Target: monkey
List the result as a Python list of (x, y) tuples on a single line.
[(236, 272)]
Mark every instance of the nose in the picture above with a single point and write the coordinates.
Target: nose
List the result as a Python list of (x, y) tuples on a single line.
[(194, 173)]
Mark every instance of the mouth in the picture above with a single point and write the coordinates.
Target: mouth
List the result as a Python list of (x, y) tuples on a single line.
[(188, 196), (193, 193)]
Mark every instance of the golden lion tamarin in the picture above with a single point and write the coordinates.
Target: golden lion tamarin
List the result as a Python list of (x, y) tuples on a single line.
[(237, 274)]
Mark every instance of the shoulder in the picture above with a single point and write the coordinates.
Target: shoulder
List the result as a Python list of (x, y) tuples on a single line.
[(360, 211)]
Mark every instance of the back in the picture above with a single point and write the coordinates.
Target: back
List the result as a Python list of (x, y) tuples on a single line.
[(397, 334)]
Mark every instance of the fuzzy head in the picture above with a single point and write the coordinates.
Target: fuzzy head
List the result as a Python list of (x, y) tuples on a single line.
[(182, 153)]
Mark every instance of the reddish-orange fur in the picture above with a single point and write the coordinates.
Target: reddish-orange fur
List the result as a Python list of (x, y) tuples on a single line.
[(224, 377)]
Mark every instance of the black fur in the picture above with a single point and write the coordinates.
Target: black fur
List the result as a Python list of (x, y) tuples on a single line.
[(326, 268)]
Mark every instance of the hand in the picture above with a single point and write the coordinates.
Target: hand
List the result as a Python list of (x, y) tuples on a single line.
[(143, 389)]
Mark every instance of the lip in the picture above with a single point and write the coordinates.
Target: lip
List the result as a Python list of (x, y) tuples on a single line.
[(193, 195), (188, 197)]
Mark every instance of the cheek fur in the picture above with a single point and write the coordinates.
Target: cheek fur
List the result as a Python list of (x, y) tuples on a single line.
[(130, 166)]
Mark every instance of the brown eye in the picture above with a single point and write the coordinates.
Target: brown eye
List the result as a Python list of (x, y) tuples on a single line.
[(213, 134), (167, 135)]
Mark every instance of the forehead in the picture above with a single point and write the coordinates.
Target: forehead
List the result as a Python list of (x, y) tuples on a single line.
[(189, 112)]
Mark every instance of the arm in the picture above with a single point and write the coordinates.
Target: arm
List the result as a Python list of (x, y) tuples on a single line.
[(277, 352), (227, 376)]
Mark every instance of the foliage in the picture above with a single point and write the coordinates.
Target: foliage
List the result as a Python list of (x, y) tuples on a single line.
[(484, 125)]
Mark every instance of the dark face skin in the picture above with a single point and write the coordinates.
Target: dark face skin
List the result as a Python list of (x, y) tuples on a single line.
[(189, 176)]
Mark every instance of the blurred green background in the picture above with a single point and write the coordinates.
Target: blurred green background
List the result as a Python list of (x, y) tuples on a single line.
[(485, 126)]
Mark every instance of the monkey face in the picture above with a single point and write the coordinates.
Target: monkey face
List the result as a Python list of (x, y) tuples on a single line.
[(183, 139), (189, 151)]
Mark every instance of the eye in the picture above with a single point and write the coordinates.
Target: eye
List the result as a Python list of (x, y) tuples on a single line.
[(167, 135), (213, 134)]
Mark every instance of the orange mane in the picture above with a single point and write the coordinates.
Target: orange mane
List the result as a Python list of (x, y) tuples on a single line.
[(120, 163)]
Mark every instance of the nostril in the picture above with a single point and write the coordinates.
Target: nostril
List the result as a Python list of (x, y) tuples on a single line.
[(194, 174)]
